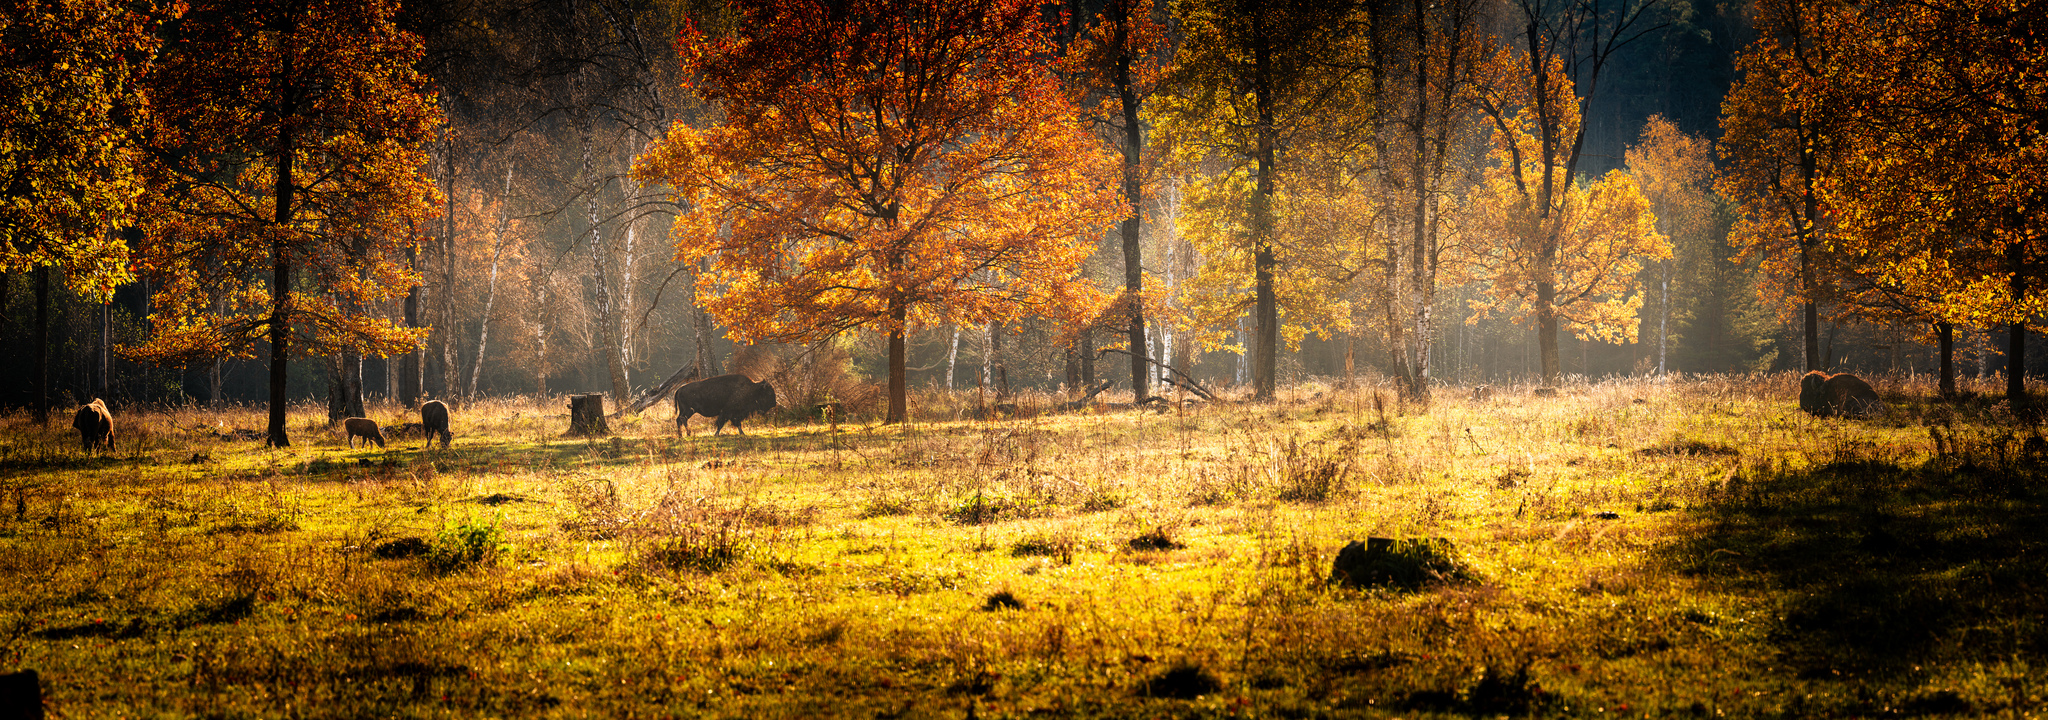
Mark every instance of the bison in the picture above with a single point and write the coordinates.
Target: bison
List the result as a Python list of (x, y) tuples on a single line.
[(729, 398), (1843, 394), (364, 428), (434, 419), (95, 425)]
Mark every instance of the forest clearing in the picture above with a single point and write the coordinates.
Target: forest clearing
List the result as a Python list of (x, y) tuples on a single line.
[(1684, 547)]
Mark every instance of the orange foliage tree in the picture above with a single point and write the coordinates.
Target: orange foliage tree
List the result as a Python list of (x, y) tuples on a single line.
[(70, 95), (1116, 67), (285, 181), (1779, 143), (1936, 196), (1568, 252), (883, 163), (1676, 174)]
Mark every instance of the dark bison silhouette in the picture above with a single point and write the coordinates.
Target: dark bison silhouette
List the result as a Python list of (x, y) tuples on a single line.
[(364, 428), (729, 398), (1843, 394), (95, 425), (434, 419)]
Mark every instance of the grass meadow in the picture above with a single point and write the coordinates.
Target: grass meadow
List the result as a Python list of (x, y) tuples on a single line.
[(1689, 548)]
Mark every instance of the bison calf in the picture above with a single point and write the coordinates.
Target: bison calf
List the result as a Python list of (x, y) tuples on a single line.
[(434, 419), (364, 428), (1844, 394), (728, 398), (95, 425)]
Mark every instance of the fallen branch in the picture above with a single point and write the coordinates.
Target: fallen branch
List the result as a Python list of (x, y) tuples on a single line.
[(1083, 402), (655, 395), (1183, 382)]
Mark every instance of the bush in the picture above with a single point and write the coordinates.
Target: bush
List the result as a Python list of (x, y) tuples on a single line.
[(983, 508), (1315, 471), (467, 544)]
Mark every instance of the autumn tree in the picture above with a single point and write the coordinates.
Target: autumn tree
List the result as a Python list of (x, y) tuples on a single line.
[(1117, 66), (70, 100), (1935, 190), (1567, 254), (1675, 171), (882, 163), (285, 182), (1778, 145), (1540, 90), (1431, 61), (1251, 83)]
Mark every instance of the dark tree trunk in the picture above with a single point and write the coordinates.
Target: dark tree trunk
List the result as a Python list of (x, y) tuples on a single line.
[(42, 404), (451, 361), (1087, 358), (104, 381), (410, 367), (1074, 369), (1134, 269), (1947, 332), (1266, 308), (2016, 355), (280, 258), (899, 386)]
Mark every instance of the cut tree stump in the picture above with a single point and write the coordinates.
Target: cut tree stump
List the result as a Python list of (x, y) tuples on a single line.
[(586, 416)]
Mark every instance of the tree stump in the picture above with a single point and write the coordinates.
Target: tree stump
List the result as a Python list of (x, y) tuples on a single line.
[(586, 415)]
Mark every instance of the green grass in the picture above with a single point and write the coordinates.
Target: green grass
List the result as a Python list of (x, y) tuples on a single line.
[(1692, 549)]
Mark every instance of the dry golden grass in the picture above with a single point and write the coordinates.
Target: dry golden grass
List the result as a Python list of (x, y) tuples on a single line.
[(1685, 547)]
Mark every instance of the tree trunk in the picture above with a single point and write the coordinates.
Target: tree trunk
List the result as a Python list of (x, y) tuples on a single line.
[(1421, 270), (42, 343), (1546, 315), (1809, 166), (540, 337), (2016, 365), (1266, 309), (105, 381), (213, 396), (607, 316), (2016, 357), (451, 362), (280, 257), (953, 359), (899, 386), (1087, 358), (1133, 147), (411, 368), (344, 386), (1072, 379), (988, 356), (707, 361), (1664, 320), (999, 379), (483, 323), (1947, 333)]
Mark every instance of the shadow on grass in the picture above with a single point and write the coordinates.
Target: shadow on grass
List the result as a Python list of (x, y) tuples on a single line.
[(614, 451), (1880, 567)]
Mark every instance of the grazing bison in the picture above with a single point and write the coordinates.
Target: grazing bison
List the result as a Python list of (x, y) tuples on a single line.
[(729, 398), (1844, 394), (364, 428), (434, 418), (95, 425)]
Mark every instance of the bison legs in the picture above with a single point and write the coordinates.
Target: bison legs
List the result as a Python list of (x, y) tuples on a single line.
[(722, 420)]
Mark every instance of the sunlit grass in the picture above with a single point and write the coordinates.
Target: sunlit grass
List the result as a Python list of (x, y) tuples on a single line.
[(1687, 547)]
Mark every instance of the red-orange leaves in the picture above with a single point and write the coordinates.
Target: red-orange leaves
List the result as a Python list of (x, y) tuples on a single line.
[(884, 164)]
